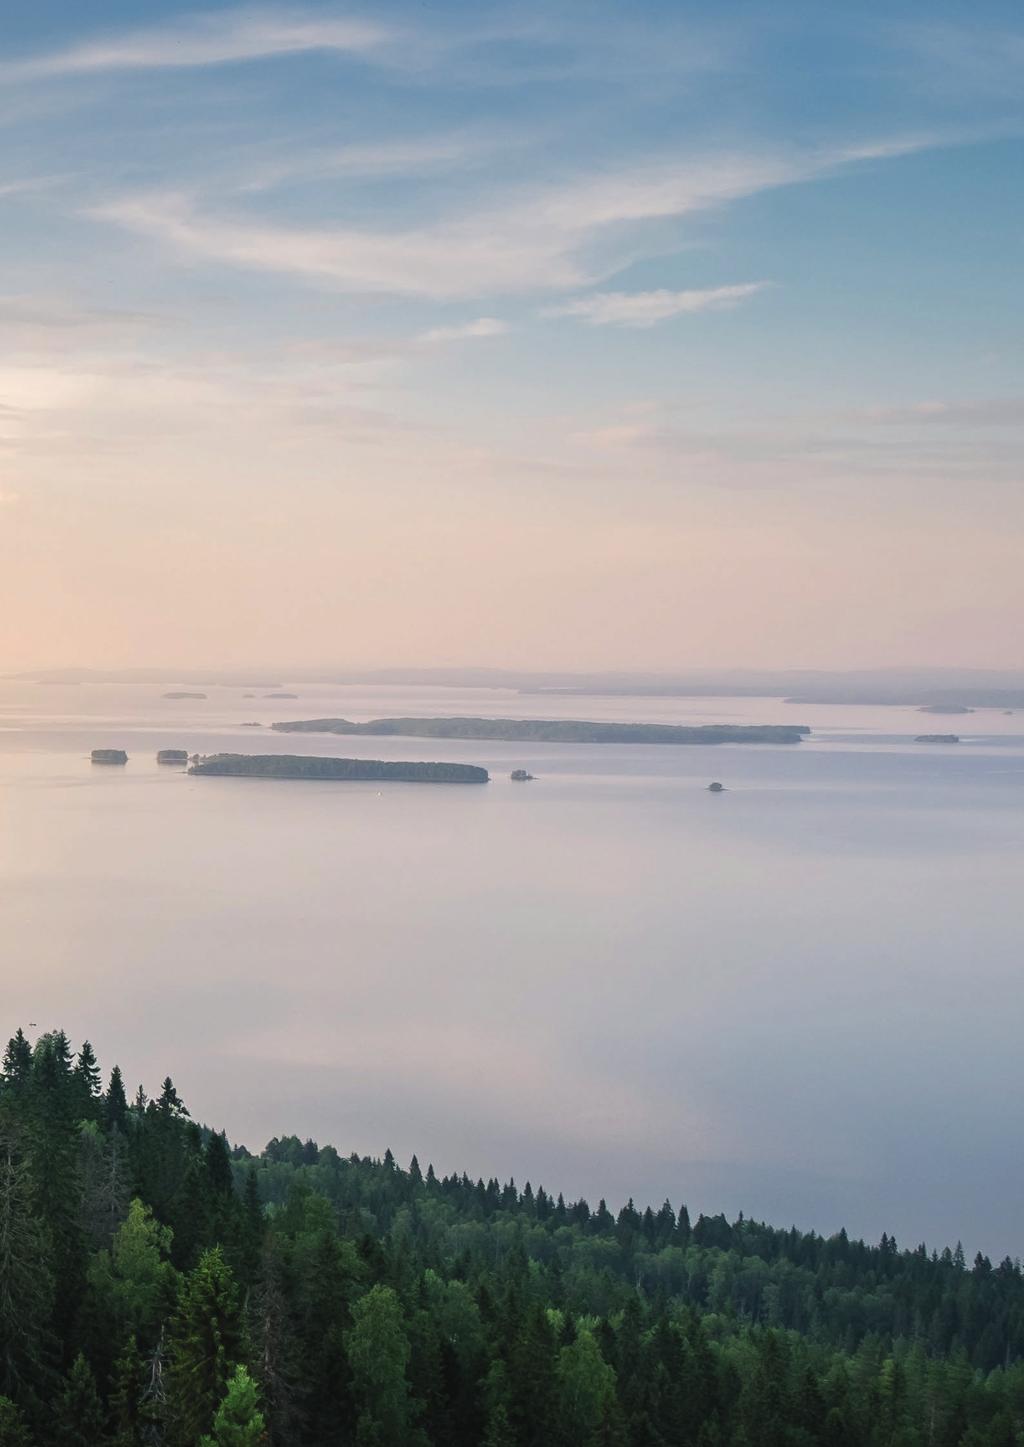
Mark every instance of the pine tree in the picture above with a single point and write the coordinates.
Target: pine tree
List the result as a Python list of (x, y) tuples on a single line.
[(14, 1430), (170, 1104), (17, 1062), (103, 1169), (532, 1379), (586, 1388), (218, 1166), (115, 1103), (253, 1226), (205, 1348), (133, 1283), (86, 1080), (127, 1413), (52, 1158), (26, 1276), (238, 1421), (79, 1417), (499, 1430), (378, 1354)]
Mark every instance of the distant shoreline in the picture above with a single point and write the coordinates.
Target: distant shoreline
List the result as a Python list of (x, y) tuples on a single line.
[(550, 731)]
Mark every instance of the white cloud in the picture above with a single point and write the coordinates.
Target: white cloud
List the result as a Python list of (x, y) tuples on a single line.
[(982, 411), (458, 259), (26, 184), (481, 327), (645, 308), (407, 157), (234, 36), (535, 240)]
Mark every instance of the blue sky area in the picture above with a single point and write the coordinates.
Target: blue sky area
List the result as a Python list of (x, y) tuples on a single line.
[(665, 270)]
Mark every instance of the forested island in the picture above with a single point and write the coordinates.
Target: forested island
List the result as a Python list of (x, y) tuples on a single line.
[(172, 756), (109, 756), (159, 1286), (551, 731), (182, 693), (937, 739), (297, 766)]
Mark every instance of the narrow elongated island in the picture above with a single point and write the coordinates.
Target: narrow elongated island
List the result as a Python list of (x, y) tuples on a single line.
[(551, 731), (297, 766)]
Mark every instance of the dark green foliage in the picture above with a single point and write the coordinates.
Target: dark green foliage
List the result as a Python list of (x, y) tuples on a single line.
[(86, 1081), (79, 1416), (205, 1347), (299, 766), (377, 1347), (26, 1274), (115, 1104), (238, 1421), (14, 1430), (157, 1287), (128, 1417)]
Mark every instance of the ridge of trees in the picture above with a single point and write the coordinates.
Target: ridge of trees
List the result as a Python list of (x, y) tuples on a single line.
[(159, 1287)]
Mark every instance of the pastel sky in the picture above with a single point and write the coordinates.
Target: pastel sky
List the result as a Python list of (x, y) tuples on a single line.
[(564, 335)]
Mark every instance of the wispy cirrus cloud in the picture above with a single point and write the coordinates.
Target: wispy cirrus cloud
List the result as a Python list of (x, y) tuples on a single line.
[(647, 308), (224, 38), (466, 331), (978, 412), (441, 261), (559, 236), (24, 185), (406, 156)]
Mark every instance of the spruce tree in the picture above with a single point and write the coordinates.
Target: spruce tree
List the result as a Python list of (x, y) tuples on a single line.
[(238, 1421), (205, 1348), (26, 1276), (52, 1157), (127, 1387), (79, 1416), (14, 1430), (115, 1103), (17, 1062), (86, 1080)]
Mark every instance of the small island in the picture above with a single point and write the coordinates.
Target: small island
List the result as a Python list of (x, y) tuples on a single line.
[(252, 724), (172, 756), (109, 756), (945, 708), (552, 731), (937, 739), (716, 788), (279, 695), (183, 693), (298, 766), (520, 776)]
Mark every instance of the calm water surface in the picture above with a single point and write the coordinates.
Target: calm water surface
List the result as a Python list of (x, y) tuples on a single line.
[(800, 998)]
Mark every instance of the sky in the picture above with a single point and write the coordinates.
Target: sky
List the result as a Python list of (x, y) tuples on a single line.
[(557, 336)]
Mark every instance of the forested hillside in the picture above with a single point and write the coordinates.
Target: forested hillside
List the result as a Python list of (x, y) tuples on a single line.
[(158, 1287)]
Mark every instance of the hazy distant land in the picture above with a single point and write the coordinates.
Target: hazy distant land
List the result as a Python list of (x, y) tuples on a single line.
[(908, 686), (551, 731)]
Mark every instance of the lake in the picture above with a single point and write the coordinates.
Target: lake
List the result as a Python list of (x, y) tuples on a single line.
[(799, 998)]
